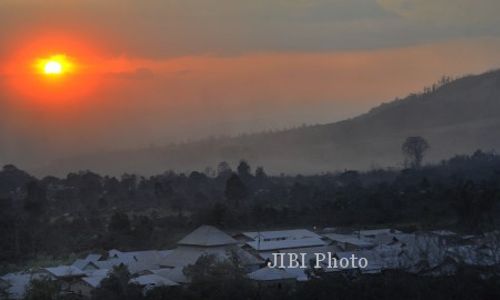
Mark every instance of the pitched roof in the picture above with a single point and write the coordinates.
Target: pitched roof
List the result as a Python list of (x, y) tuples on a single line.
[(207, 236), (153, 280), (82, 264), (281, 234), (185, 255), (350, 239), (65, 271), (285, 244), (94, 278), (136, 261)]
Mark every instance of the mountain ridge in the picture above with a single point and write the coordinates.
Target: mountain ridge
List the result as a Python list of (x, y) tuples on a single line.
[(456, 116)]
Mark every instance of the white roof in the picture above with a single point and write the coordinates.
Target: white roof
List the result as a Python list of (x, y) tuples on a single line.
[(164, 253), (270, 274), (83, 263), (153, 280), (281, 234), (94, 278), (99, 272), (350, 239), (207, 236), (187, 255), (309, 252), (285, 244), (65, 271), (136, 261)]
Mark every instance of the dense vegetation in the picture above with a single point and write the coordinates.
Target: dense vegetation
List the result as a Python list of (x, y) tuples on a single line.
[(86, 212)]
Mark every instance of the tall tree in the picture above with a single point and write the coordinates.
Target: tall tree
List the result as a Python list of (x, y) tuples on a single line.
[(223, 169), (117, 287), (42, 289), (414, 149), (236, 191), (244, 170)]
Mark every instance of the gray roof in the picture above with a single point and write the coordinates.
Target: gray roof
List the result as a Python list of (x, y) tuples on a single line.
[(65, 271), (186, 255), (153, 280), (350, 239), (281, 234), (174, 274), (207, 236), (94, 278), (285, 244), (82, 264), (136, 261)]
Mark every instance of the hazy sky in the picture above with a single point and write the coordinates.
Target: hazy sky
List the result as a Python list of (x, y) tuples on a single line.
[(164, 70)]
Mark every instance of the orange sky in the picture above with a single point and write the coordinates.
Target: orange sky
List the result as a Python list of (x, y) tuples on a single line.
[(175, 70)]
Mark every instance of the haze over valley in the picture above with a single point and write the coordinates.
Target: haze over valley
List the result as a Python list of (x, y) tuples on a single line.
[(455, 116)]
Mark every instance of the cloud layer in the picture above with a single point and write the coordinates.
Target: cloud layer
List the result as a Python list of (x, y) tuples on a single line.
[(169, 70)]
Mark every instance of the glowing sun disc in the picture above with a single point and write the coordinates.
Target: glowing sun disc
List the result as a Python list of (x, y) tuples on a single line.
[(52, 67)]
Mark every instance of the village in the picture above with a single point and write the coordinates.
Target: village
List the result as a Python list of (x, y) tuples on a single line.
[(429, 253)]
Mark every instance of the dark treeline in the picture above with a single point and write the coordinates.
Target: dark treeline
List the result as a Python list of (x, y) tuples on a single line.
[(87, 212)]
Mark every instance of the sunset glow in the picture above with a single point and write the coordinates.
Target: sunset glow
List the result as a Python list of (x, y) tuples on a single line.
[(55, 65), (51, 69)]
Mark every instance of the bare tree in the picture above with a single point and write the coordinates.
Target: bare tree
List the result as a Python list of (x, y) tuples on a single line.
[(414, 149)]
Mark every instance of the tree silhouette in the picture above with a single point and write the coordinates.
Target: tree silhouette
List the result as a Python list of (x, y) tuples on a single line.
[(236, 191), (244, 169), (414, 149)]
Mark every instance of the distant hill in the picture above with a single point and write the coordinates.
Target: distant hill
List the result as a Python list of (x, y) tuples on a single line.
[(456, 117)]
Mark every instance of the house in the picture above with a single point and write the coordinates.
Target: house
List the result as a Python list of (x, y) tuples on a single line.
[(208, 240), (85, 285), (272, 277), (151, 281), (64, 272), (66, 275), (85, 265), (280, 235), (136, 261), (262, 245), (349, 242), (207, 236), (174, 274)]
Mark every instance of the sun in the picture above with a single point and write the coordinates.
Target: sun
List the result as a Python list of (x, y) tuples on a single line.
[(55, 65), (52, 67)]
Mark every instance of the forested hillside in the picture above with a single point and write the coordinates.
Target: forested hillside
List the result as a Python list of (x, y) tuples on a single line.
[(455, 116)]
